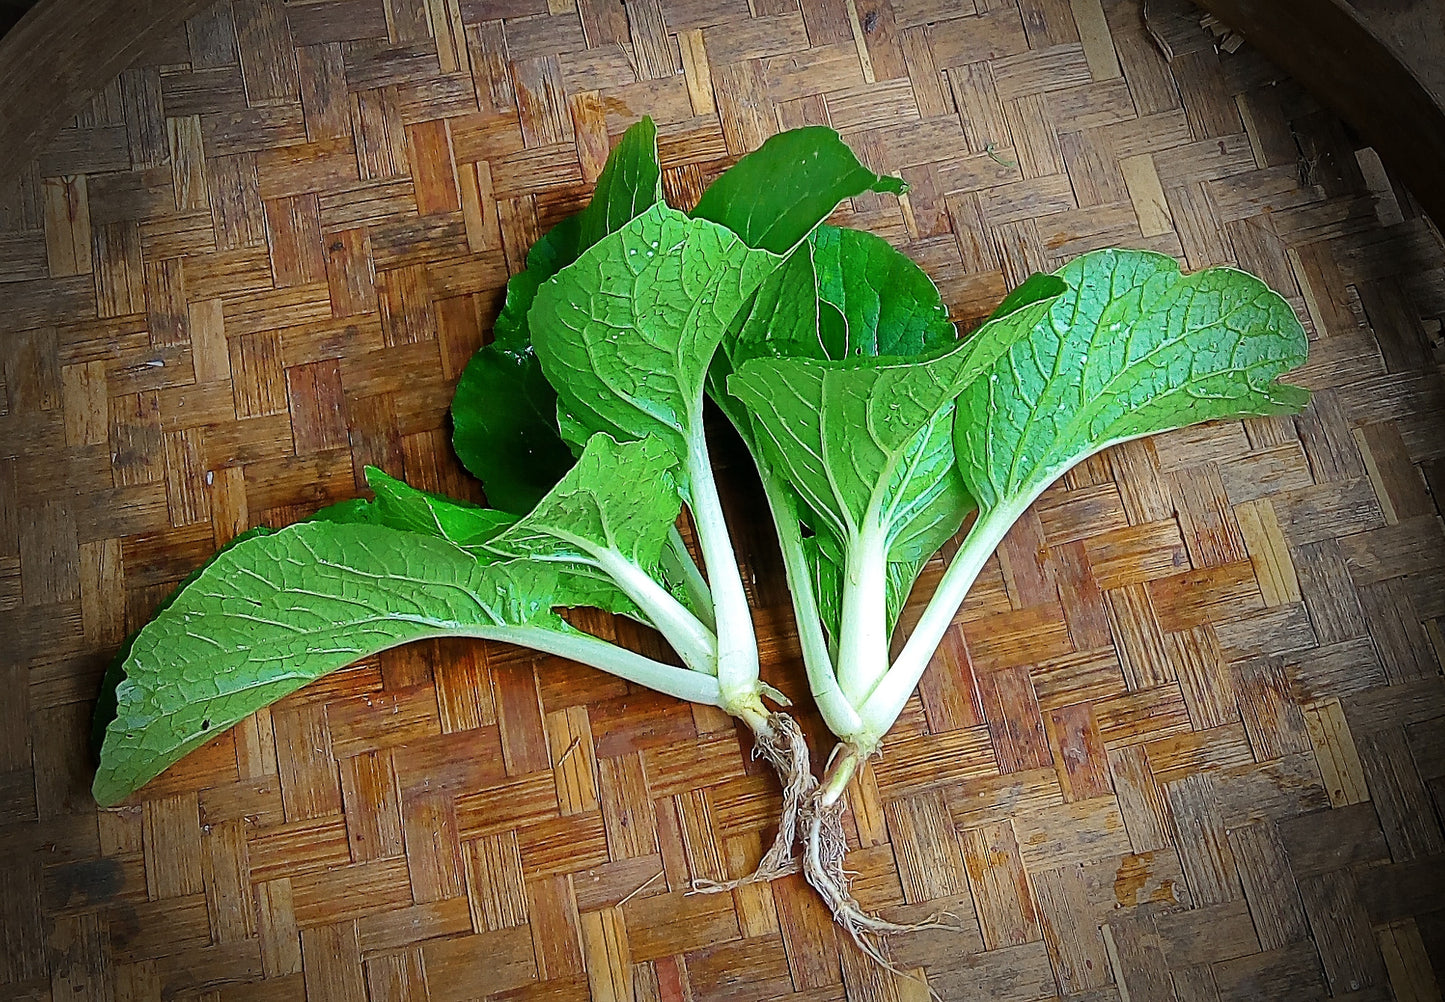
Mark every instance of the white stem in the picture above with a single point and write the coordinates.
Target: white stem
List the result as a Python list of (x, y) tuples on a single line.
[(837, 712), (737, 645), (695, 687), (682, 567), (863, 636), (886, 701), (694, 643)]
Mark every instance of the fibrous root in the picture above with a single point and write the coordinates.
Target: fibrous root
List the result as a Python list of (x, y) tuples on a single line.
[(778, 739), (821, 821)]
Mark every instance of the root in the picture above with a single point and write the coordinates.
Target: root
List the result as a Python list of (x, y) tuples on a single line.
[(824, 849), (779, 740)]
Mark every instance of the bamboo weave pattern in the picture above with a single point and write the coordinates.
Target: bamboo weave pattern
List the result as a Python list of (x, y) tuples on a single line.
[(1184, 741)]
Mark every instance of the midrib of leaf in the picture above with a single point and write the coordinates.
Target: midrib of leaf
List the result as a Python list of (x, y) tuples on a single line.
[(896, 519), (851, 528)]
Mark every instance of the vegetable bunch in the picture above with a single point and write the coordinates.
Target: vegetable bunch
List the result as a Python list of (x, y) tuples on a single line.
[(878, 434)]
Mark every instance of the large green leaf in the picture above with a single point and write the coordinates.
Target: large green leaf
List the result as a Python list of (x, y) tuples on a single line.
[(605, 525), (504, 410), (889, 306), (626, 333), (504, 426), (106, 700), (276, 611), (620, 499), (1132, 348), (774, 196), (552, 252), (398, 505), (865, 442), (867, 445), (842, 293)]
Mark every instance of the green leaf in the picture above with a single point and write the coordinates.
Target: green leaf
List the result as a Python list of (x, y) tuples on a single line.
[(867, 444), (1034, 288), (629, 185), (106, 701), (552, 252), (1131, 349), (352, 511), (276, 611), (399, 505), (504, 426), (626, 334), (842, 293), (620, 498), (774, 196), (888, 304), (604, 526), (504, 410), (781, 320)]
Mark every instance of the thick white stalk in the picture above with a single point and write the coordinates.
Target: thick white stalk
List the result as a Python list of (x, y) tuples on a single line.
[(737, 644), (863, 636), (694, 643), (683, 683), (837, 712), (682, 567), (886, 701)]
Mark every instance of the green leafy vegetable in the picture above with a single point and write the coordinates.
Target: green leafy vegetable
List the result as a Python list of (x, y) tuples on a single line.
[(629, 185), (398, 505), (504, 426), (276, 611), (867, 443), (1131, 348), (875, 431), (107, 701), (504, 410), (1117, 345), (627, 333), (599, 532), (841, 295), (774, 196)]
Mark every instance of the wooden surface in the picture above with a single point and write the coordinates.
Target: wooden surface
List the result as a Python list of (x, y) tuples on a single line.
[(58, 55), (1185, 742), (1380, 64)]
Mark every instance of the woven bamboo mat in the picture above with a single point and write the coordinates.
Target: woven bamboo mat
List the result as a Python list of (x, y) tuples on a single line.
[(1185, 741)]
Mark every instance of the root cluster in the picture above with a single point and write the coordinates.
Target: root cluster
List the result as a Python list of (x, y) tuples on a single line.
[(779, 740), (812, 816), (824, 849)]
